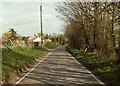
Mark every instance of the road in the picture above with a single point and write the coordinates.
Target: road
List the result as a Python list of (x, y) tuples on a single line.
[(60, 68)]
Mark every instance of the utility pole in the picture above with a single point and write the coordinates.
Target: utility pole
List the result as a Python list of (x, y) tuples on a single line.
[(41, 25)]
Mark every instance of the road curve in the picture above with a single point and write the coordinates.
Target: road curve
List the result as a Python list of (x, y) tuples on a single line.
[(60, 68)]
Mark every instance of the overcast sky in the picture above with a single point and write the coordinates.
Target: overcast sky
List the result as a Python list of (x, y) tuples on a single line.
[(24, 17)]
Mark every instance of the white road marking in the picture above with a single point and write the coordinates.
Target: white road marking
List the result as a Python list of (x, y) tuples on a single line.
[(45, 58), (87, 70), (33, 68)]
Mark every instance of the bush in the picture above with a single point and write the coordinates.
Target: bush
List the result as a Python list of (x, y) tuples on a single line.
[(51, 45)]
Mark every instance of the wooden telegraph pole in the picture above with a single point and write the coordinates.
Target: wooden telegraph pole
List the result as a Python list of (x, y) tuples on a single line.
[(41, 25)]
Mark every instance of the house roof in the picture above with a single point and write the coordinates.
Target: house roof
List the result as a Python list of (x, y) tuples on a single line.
[(31, 38)]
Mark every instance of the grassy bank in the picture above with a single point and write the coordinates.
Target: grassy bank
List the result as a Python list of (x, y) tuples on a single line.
[(16, 58), (105, 68)]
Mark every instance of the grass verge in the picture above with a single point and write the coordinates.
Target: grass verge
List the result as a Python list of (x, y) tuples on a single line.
[(16, 58), (106, 69)]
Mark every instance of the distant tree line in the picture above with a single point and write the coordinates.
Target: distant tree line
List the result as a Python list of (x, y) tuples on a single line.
[(91, 26), (10, 38)]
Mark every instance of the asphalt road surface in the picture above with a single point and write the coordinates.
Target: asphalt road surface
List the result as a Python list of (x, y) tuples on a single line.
[(60, 68)]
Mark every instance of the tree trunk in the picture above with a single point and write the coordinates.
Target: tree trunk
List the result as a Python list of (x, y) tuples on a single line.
[(112, 32), (96, 24)]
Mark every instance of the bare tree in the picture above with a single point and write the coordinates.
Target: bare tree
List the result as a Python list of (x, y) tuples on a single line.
[(90, 25)]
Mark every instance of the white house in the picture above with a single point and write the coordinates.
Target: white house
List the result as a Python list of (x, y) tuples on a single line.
[(38, 39)]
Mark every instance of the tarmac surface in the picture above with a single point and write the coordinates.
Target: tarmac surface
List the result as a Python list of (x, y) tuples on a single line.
[(59, 68)]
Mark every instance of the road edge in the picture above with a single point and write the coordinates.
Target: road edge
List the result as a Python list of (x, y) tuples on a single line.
[(17, 82), (87, 70)]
